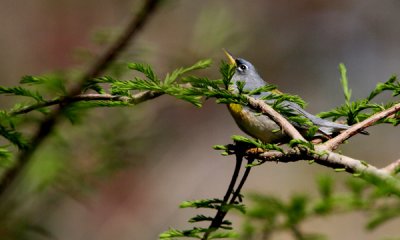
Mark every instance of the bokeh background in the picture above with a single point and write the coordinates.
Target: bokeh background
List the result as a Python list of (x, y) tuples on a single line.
[(122, 173)]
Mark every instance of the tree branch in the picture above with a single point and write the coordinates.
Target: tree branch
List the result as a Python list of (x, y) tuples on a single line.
[(338, 162), (221, 213), (48, 124), (358, 127), (323, 155), (134, 99), (392, 168), (285, 125), (219, 216)]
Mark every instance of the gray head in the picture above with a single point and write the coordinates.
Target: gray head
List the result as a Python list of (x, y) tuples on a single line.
[(246, 72)]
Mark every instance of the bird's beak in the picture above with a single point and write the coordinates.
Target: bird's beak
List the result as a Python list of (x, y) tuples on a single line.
[(231, 60)]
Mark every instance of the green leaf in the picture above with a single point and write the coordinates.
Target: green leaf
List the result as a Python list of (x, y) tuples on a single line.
[(266, 88), (227, 71), (225, 234), (240, 207), (171, 233), (53, 83), (202, 83), (20, 91), (136, 84), (382, 216), (240, 86), (299, 142), (257, 143), (5, 157), (340, 169), (220, 147), (311, 132), (14, 137), (170, 78), (344, 81), (325, 186), (146, 70), (353, 111), (392, 84), (203, 203), (31, 80), (296, 209)]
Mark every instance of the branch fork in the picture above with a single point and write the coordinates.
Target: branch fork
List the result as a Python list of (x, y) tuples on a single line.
[(323, 153)]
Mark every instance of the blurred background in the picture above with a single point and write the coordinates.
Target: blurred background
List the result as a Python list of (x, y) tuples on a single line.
[(122, 172)]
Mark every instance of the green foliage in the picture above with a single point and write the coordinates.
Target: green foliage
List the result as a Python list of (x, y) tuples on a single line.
[(267, 214), (361, 109), (53, 83), (8, 131), (345, 82), (298, 142), (5, 157), (195, 233), (174, 233), (152, 82), (213, 203), (170, 78), (256, 143), (20, 91), (227, 71), (146, 70), (390, 85), (275, 214), (205, 203)]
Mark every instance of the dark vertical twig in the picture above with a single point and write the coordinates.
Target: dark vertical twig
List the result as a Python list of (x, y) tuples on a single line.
[(48, 124), (232, 194), (241, 184), (216, 222)]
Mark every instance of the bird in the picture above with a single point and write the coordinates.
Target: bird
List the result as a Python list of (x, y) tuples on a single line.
[(260, 126)]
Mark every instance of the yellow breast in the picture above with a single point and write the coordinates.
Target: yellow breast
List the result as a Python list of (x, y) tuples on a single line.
[(256, 125)]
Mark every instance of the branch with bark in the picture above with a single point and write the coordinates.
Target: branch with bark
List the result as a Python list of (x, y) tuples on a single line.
[(323, 154), (134, 99)]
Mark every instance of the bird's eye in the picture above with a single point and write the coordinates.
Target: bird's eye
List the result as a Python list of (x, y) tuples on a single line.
[(243, 67)]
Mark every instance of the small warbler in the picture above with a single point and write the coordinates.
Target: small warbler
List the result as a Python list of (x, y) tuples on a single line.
[(261, 126)]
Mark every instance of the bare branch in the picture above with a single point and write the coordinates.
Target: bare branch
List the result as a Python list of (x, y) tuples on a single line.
[(278, 118), (338, 162), (392, 168), (333, 143)]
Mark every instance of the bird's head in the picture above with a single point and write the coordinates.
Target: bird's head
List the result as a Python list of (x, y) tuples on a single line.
[(245, 71)]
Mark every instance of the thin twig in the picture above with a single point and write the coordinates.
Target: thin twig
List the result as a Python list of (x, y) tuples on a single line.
[(286, 126), (134, 99), (333, 143), (241, 183), (219, 216), (48, 124)]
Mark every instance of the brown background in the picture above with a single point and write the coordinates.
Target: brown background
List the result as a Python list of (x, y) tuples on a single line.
[(296, 45)]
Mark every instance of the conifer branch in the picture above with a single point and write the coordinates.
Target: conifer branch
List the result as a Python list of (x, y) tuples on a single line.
[(358, 127), (134, 99), (322, 153), (47, 125)]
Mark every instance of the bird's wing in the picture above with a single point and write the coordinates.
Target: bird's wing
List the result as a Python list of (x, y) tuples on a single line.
[(326, 127)]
